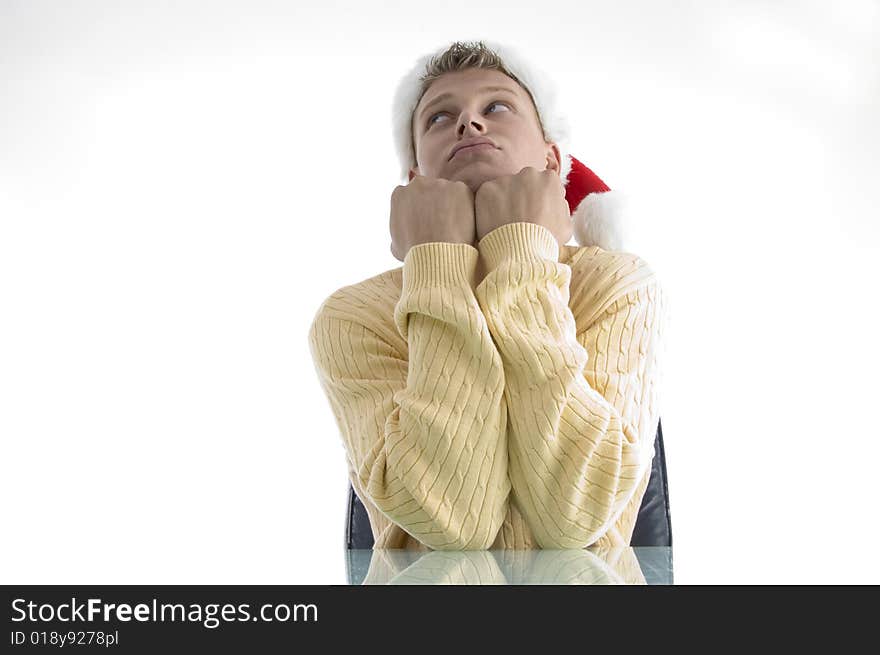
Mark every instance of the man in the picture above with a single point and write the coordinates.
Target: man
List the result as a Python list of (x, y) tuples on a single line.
[(500, 389)]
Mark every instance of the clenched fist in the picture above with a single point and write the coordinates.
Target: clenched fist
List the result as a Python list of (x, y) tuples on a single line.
[(431, 209), (530, 196)]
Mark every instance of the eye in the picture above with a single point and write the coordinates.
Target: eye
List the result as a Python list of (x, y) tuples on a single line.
[(431, 119), (503, 104)]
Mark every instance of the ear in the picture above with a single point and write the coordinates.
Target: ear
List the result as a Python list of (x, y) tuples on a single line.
[(554, 159)]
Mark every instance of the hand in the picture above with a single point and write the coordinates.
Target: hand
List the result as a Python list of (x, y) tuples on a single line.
[(531, 196), (431, 209)]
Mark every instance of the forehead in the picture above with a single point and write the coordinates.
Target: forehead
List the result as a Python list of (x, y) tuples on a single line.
[(468, 82)]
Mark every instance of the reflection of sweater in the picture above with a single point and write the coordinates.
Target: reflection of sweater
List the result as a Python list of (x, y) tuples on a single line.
[(505, 567), (516, 412)]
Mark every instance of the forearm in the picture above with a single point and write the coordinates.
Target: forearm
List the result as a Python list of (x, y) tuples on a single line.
[(425, 429), (580, 438), (446, 442)]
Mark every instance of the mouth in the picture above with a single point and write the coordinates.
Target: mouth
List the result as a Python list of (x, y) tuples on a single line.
[(473, 148)]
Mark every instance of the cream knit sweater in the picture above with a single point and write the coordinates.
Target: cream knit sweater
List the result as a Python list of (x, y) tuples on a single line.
[(517, 411)]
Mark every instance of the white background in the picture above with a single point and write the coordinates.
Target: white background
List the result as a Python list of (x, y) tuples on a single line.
[(182, 184)]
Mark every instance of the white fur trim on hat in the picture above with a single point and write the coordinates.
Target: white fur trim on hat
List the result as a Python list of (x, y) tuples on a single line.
[(599, 220), (534, 80)]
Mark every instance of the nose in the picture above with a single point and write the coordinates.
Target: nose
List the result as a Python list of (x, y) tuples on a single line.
[(468, 121)]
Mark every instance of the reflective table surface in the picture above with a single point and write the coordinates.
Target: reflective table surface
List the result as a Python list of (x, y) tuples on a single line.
[(632, 565)]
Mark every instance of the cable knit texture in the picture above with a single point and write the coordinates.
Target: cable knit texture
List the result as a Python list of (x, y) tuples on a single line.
[(514, 411)]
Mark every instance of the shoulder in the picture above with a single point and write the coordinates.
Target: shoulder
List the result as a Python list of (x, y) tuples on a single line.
[(599, 278), (369, 303), (609, 268)]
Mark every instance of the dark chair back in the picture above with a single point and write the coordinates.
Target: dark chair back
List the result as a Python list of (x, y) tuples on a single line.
[(653, 525)]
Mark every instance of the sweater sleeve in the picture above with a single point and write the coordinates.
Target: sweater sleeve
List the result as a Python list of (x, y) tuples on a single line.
[(425, 434), (582, 406)]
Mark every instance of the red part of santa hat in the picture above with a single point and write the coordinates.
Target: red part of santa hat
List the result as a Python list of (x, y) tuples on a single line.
[(581, 182)]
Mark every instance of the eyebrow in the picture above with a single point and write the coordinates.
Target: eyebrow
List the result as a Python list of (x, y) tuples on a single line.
[(446, 96)]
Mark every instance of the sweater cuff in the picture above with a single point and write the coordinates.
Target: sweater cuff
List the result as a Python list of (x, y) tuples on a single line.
[(518, 242), (439, 263)]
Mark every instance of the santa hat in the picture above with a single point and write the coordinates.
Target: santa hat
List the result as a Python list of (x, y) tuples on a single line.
[(595, 209)]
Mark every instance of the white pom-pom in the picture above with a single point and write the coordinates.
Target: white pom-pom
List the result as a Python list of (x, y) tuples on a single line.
[(599, 221)]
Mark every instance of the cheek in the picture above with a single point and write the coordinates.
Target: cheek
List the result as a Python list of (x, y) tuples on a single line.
[(526, 152), (539, 153), (430, 152), (524, 144)]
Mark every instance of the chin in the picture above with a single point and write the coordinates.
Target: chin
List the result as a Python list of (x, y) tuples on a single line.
[(476, 178)]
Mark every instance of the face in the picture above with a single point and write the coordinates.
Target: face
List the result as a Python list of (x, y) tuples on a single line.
[(471, 104)]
